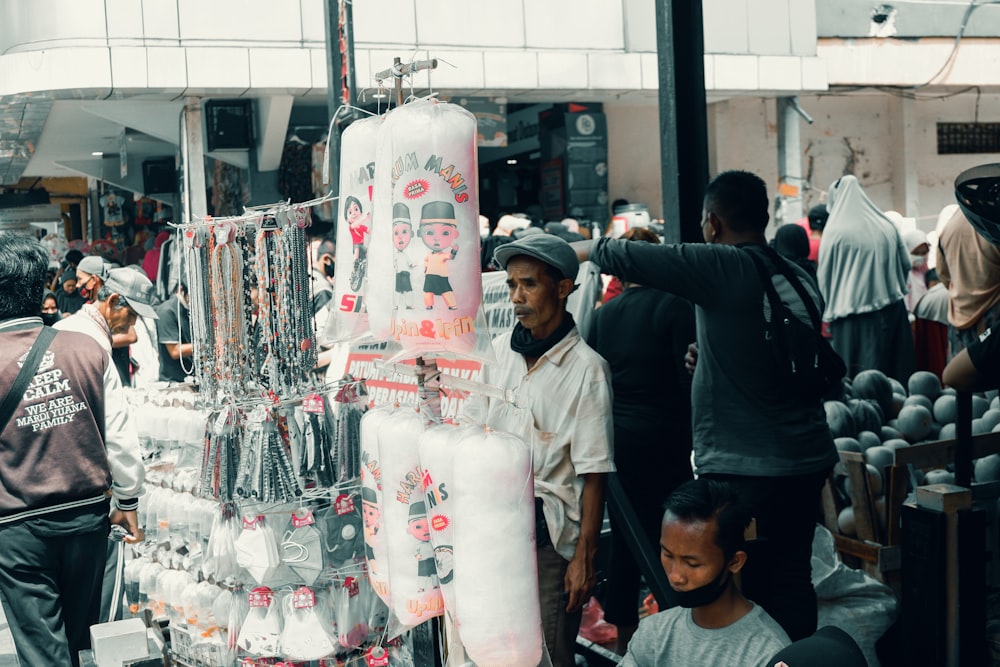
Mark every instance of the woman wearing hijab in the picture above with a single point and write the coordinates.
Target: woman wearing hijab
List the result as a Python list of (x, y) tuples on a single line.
[(916, 281), (863, 267), (792, 243)]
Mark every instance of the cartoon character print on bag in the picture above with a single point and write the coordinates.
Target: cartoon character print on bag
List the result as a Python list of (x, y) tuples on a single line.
[(402, 234), (439, 232)]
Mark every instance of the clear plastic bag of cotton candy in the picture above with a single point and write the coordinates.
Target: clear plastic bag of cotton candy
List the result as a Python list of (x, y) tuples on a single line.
[(424, 273), (348, 319), (479, 492), (399, 554)]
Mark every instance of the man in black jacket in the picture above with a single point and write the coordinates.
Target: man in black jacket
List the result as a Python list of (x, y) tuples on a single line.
[(63, 458)]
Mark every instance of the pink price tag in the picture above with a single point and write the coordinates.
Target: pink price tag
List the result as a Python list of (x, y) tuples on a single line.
[(303, 598), (304, 520), (378, 657), (351, 586), (344, 504), (260, 597), (251, 523), (313, 404)]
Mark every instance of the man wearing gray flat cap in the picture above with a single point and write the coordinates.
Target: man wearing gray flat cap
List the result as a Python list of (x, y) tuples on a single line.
[(563, 391)]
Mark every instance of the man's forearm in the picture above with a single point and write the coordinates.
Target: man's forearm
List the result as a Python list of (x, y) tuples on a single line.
[(591, 514)]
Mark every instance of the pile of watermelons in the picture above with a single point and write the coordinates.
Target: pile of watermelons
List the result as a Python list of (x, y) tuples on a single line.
[(878, 415)]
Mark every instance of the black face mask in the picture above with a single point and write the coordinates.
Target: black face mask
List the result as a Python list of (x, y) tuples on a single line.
[(48, 319), (328, 268), (701, 596)]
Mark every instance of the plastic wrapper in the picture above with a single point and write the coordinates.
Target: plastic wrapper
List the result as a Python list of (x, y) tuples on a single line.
[(349, 319), (304, 636), (416, 593), (494, 496), (371, 502), (260, 634), (351, 612), (425, 283)]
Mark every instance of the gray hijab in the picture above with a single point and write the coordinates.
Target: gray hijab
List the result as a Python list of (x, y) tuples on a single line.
[(862, 260)]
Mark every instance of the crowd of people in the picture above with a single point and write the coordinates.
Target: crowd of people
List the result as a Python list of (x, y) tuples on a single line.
[(669, 384), (681, 340)]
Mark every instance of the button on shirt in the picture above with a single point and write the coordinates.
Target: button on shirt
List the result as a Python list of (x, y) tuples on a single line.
[(563, 412)]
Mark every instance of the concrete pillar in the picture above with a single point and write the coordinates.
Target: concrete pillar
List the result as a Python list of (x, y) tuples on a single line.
[(193, 200), (790, 181), (903, 160)]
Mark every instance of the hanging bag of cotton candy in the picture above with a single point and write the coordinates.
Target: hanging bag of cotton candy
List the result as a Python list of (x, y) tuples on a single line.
[(494, 536), (348, 313), (416, 593), (372, 485), (425, 283), (437, 448)]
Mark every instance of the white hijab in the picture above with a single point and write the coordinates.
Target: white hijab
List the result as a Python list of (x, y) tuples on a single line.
[(863, 264)]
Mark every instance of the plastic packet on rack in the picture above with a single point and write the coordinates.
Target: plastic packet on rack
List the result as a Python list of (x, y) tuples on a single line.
[(341, 526), (260, 634), (425, 282), (372, 484), (350, 610), (416, 592), (349, 315), (304, 636), (494, 536)]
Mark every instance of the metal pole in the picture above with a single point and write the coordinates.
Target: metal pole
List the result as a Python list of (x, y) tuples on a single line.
[(668, 121), (334, 85), (692, 121), (963, 441), (683, 124)]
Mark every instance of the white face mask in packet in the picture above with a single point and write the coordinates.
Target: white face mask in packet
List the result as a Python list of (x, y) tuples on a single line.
[(304, 636), (257, 550), (261, 631)]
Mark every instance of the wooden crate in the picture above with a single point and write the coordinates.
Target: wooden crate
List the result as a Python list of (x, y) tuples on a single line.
[(877, 550)]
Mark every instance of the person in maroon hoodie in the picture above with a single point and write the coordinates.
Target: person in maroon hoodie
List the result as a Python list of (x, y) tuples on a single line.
[(65, 455)]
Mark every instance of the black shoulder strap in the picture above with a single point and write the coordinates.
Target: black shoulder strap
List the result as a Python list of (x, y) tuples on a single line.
[(782, 266), (24, 376), (765, 279)]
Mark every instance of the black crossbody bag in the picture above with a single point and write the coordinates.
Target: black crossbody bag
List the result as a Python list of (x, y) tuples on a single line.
[(804, 359), (25, 375)]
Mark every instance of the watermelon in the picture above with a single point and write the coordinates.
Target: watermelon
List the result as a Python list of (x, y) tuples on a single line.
[(845, 522), (919, 399), (874, 480), (897, 386), (995, 403), (847, 444), (897, 404), (979, 406), (939, 476), (915, 422), (991, 395), (947, 432), (867, 416), (979, 427), (869, 439), (948, 391), (946, 409), (840, 419), (895, 443), (876, 386), (880, 456), (988, 468), (889, 433), (992, 418), (924, 383)]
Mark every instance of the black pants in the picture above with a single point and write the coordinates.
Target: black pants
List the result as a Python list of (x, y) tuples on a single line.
[(648, 480), (778, 572), (50, 583)]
